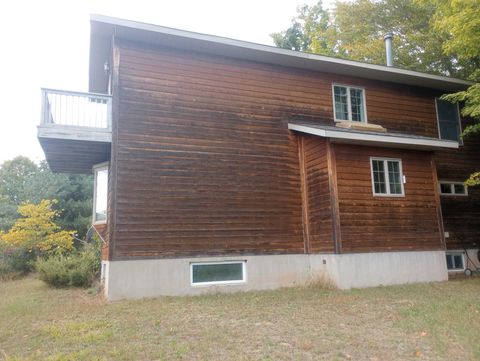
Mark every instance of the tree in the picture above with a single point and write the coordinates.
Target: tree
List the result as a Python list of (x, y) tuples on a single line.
[(355, 30), (461, 21), (22, 181), (37, 232), (309, 31)]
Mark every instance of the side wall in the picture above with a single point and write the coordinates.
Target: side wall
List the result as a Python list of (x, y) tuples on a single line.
[(374, 223), (201, 169), (461, 215), (317, 195), (204, 163)]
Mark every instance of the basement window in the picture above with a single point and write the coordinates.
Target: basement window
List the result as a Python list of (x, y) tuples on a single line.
[(100, 194), (387, 177), (448, 117), (452, 188), (455, 261), (349, 103), (211, 273)]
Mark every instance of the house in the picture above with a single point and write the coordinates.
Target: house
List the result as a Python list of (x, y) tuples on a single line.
[(225, 165)]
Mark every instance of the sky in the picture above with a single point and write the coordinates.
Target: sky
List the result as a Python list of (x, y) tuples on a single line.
[(45, 45)]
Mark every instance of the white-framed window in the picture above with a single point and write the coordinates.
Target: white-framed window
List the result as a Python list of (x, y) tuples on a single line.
[(349, 103), (448, 118), (455, 260), (214, 273), (387, 177), (100, 193), (448, 188)]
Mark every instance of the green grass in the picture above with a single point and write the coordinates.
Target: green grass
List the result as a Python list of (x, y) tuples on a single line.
[(437, 321)]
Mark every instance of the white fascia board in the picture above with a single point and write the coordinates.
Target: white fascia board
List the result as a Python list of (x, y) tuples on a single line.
[(374, 139)]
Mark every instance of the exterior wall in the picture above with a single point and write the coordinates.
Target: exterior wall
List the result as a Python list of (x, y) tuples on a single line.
[(171, 277), (461, 214), (317, 196), (375, 223), (204, 161), (200, 169)]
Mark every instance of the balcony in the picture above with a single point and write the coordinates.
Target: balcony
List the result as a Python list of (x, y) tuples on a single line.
[(75, 130)]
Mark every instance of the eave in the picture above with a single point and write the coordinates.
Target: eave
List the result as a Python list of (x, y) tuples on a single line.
[(104, 28), (389, 140)]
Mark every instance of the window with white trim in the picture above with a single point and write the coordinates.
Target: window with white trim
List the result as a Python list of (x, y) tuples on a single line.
[(100, 193), (448, 118), (452, 188), (387, 177), (455, 261), (349, 103), (211, 273)]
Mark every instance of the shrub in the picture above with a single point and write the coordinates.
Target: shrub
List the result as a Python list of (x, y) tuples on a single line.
[(79, 269), (15, 262)]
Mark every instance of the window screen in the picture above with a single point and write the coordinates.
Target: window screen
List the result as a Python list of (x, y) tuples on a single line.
[(448, 120)]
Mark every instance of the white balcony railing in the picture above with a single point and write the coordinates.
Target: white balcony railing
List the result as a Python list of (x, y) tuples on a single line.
[(75, 109)]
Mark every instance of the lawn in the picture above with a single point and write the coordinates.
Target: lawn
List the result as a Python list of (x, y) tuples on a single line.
[(437, 321)]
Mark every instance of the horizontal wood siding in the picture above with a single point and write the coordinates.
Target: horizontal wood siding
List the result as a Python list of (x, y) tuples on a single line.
[(205, 163), (371, 223), (461, 215), (201, 168), (318, 195)]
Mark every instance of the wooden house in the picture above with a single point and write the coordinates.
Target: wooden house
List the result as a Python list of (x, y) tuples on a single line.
[(225, 165)]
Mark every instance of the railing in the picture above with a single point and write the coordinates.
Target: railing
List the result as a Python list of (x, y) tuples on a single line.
[(76, 109)]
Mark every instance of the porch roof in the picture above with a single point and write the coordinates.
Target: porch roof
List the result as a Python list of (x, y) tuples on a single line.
[(377, 139)]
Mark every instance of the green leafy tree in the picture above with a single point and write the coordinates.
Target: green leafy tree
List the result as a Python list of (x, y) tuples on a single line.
[(22, 181), (461, 21), (309, 31), (355, 29)]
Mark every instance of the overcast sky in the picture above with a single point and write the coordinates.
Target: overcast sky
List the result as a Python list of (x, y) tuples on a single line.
[(45, 44)]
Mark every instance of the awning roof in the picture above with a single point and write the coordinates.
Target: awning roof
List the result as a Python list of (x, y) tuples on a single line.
[(103, 28), (391, 140)]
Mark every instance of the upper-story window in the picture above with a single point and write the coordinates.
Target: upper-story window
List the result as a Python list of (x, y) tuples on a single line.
[(387, 177), (448, 117), (448, 188), (100, 196), (349, 103)]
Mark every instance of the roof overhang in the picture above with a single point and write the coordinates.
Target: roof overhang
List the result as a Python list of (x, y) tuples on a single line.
[(389, 140), (103, 28)]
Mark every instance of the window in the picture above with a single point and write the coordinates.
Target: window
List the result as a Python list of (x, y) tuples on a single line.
[(218, 273), (455, 261), (349, 103), (448, 117), (452, 188), (100, 193), (387, 177)]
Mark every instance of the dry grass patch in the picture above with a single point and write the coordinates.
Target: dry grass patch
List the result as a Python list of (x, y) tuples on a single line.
[(438, 321)]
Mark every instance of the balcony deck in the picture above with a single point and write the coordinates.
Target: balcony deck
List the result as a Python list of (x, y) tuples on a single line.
[(75, 130)]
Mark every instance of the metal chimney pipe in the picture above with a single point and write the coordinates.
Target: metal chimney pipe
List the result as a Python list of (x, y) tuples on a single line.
[(388, 48)]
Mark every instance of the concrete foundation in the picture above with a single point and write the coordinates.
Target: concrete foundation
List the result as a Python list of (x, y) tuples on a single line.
[(171, 277)]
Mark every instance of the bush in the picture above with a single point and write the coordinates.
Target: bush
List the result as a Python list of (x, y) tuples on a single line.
[(15, 262), (79, 269)]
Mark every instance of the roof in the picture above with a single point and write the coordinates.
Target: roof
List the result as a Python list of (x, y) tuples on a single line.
[(397, 140), (104, 27)]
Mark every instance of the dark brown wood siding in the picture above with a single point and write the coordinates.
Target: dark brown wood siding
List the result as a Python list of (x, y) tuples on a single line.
[(204, 163), (317, 194), (461, 215), (374, 223), (201, 169)]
